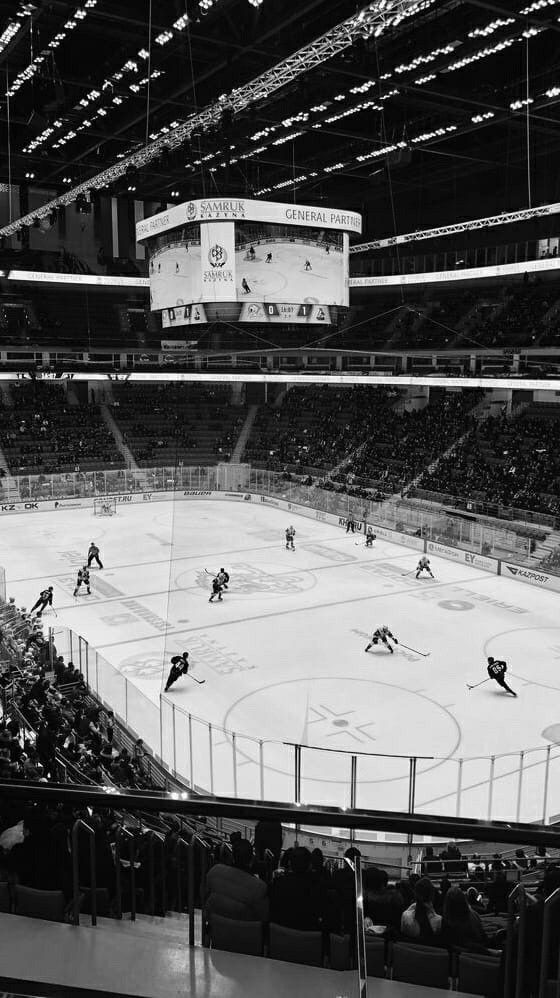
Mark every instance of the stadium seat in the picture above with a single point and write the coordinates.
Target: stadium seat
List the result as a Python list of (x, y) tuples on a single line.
[(340, 952), (236, 936), (50, 905), (5, 898), (424, 965), (375, 956), (479, 974), (103, 902), (295, 946)]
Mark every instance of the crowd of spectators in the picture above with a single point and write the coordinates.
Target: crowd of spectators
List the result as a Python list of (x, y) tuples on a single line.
[(42, 432), (167, 424), (509, 461), (522, 315), (405, 442), (316, 426), (462, 909), (57, 721), (364, 431)]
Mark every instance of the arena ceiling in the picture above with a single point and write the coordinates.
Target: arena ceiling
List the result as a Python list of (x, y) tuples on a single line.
[(451, 113)]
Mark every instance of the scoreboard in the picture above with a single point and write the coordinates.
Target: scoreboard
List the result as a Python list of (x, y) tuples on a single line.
[(248, 261), (262, 312)]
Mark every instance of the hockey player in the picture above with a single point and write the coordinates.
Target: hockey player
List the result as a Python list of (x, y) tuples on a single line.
[(382, 634), (82, 580), (93, 555), (216, 590), (370, 537), (223, 578), (45, 599), (245, 286), (179, 667), (350, 525), (308, 265), (290, 534), (496, 670), (251, 253), (268, 258), (327, 248), (424, 566)]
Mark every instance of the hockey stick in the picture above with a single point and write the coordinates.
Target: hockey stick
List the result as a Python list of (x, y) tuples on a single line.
[(473, 687), (407, 573), (195, 680), (424, 654)]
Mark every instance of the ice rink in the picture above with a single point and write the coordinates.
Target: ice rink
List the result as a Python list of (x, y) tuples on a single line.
[(177, 278), (285, 278), (283, 660)]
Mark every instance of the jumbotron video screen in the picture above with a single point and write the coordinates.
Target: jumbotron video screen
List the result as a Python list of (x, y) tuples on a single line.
[(247, 272)]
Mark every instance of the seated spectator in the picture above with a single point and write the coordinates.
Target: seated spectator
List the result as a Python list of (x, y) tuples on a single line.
[(461, 926), (431, 866), (383, 904), (521, 862), (452, 859), (233, 891), (421, 921), (533, 936), (344, 885), (297, 899), (268, 835), (319, 871)]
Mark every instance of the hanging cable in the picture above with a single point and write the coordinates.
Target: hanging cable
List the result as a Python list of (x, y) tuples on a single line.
[(527, 122), (194, 98), (149, 72), (10, 216), (389, 178)]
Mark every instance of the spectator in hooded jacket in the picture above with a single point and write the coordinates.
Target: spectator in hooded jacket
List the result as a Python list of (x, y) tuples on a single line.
[(233, 891)]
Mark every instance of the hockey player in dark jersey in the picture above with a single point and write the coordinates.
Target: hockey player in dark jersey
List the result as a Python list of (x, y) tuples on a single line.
[(290, 534), (370, 537), (93, 555), (45, 599), (350, 524), (496, 670), (382, 634), (424, 566), (179, 667), (82, 580), (223, 578), (216, 590)]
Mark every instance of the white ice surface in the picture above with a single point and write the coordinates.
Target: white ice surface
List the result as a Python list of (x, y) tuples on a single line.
[(285, 279), (283, 656)]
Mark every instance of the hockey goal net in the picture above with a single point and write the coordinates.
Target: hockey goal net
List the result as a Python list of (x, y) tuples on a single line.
[(105, 506)]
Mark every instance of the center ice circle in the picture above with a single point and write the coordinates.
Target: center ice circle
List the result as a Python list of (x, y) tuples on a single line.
[(348, 715)]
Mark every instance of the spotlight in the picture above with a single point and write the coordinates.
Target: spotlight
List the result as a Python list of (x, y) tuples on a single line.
[(29, 176)]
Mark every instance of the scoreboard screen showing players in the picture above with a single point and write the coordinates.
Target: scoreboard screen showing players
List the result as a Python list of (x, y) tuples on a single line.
[(247, 261)]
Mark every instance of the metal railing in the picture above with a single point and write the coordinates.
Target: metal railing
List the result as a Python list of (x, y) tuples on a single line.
[(211, 758), (81, 828)]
